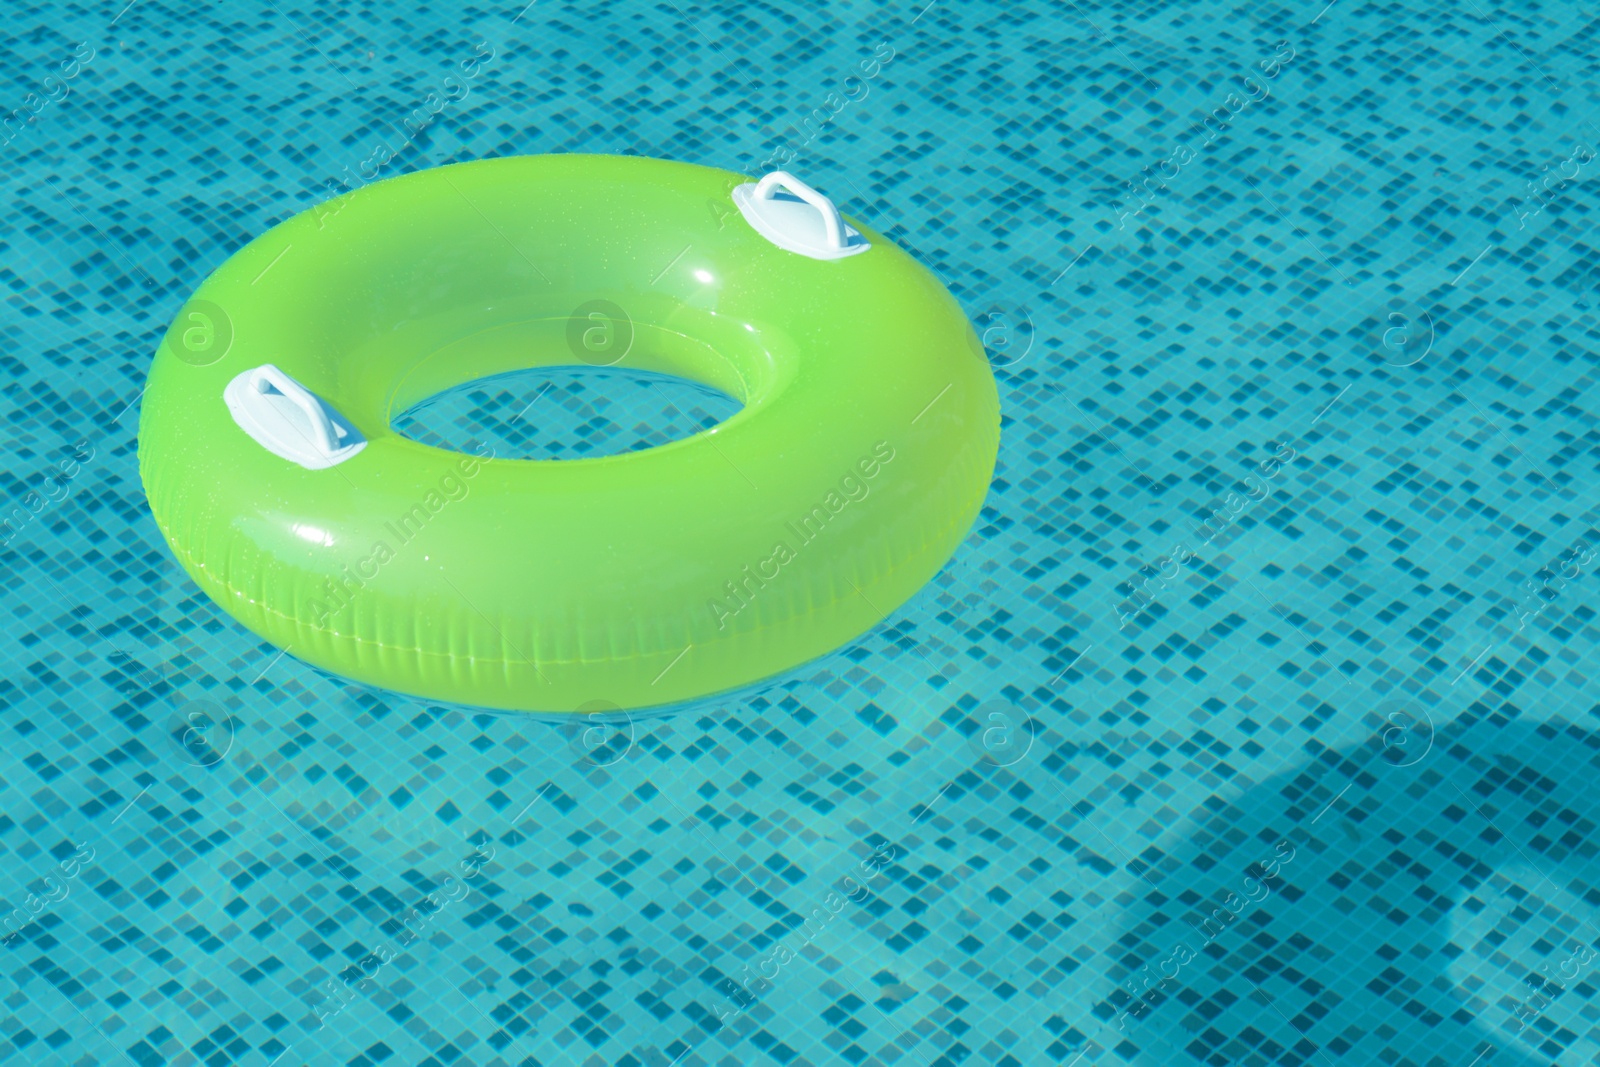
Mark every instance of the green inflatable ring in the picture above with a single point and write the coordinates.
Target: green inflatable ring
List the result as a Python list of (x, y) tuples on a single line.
[(859, 460)]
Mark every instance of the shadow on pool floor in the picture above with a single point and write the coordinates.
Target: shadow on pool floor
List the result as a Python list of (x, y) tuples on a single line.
[(1419, 898)]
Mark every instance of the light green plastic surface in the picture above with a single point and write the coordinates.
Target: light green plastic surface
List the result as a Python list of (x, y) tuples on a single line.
[(640, 579)]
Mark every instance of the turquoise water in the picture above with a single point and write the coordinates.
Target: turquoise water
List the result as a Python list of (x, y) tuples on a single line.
[(1253, 723)]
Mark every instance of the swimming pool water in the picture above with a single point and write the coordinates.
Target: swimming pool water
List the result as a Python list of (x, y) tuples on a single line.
[(1253, 723)]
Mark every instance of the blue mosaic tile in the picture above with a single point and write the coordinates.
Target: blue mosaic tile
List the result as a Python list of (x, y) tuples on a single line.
[(1252, 723)]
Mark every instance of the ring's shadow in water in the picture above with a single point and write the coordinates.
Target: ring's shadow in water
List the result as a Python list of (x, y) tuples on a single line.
[(1434, 909)]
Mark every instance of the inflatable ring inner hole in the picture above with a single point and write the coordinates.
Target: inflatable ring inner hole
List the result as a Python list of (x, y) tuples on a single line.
[(566, 412), (397, 369)]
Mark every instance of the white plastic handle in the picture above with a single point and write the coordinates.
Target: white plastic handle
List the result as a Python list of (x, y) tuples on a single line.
[(831, 219), (326, 433)]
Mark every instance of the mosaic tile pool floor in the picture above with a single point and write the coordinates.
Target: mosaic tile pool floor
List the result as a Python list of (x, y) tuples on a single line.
[(1253, 723)]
